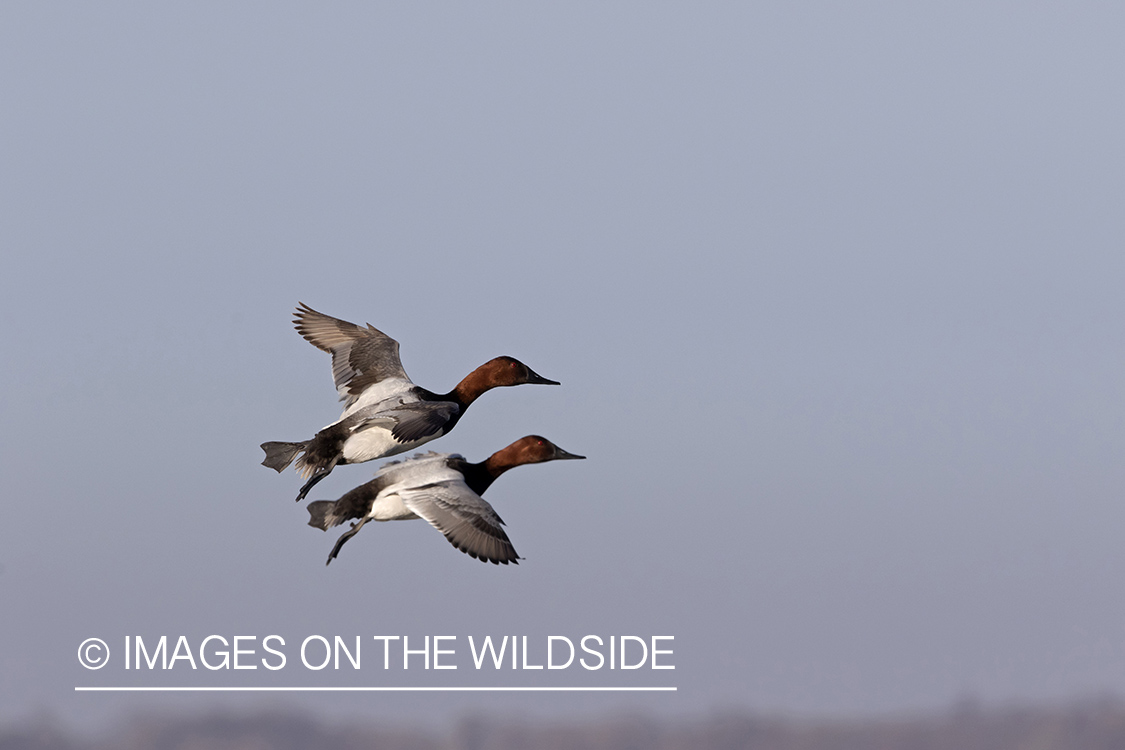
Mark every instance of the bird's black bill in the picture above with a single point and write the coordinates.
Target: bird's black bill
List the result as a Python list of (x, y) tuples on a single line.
[(537, 379)]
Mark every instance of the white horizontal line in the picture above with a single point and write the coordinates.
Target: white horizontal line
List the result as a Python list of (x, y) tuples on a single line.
[(104, 689)]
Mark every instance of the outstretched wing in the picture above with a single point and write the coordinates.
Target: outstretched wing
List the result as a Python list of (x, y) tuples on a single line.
[(361, 357), (467, 520)]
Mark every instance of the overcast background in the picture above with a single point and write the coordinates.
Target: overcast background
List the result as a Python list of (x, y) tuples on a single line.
[(834, 290)]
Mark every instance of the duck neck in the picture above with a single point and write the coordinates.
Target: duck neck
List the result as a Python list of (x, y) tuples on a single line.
[(480, 476), (470, 388)]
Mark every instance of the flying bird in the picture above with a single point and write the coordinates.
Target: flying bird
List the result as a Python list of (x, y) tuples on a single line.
[(443, 489), (384, 412)]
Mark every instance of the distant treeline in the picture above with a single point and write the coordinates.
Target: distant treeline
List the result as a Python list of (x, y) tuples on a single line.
[(1092, 726)]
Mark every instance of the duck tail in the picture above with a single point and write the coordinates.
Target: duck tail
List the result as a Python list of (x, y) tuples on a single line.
[(322, 514), (280, 455)]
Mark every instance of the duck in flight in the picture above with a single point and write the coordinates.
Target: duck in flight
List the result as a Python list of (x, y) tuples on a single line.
[(443, 489), (384, 412)]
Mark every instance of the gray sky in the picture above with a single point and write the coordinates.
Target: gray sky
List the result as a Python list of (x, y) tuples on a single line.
[(834, 291)]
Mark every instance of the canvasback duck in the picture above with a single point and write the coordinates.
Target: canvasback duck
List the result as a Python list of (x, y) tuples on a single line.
[(445, 490), (384, 412)]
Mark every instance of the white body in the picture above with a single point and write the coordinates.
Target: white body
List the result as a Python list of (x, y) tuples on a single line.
[(429, 471), (376, 442), (372, 436)]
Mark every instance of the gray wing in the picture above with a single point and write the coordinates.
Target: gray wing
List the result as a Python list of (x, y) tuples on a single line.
[(467, 520), (361, 356), (411, 422)]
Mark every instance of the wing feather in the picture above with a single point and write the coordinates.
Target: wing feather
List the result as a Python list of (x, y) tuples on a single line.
[(361, 357), (410, 422), (465, 518)]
